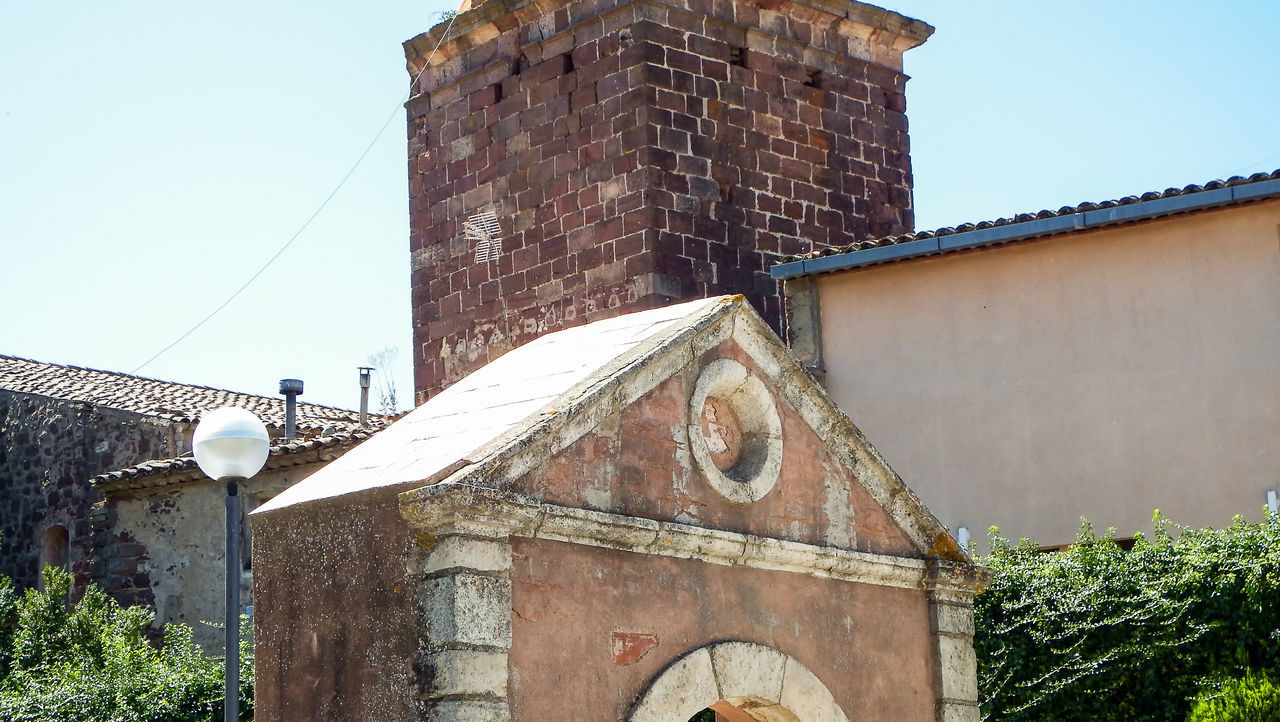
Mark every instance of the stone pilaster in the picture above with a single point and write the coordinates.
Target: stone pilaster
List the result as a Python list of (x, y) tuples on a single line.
[(951, 636), (464, 613)]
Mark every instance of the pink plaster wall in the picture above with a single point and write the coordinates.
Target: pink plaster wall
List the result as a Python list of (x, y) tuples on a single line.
[(869, 645), (637, 463)]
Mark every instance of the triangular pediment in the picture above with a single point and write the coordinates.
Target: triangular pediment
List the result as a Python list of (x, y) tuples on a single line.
[(707, 422)]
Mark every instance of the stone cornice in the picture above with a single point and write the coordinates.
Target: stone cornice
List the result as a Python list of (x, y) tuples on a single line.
[(489, 18), (451, 509)]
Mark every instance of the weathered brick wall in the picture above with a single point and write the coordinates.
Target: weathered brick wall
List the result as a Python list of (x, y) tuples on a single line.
[(49, 450), (636, 152)]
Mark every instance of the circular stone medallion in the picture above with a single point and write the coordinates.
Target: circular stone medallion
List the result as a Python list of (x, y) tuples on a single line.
[(734, 432)]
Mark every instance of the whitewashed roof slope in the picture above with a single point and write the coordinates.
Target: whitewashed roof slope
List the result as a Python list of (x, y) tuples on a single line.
[(477, 414), (518, 411)]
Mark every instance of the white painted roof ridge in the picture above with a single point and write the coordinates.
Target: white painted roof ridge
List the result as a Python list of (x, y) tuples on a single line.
[(490, 410)]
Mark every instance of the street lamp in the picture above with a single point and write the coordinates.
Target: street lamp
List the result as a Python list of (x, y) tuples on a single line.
[(231, 445)]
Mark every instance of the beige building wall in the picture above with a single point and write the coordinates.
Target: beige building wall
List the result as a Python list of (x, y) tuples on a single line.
[(1101, 374)]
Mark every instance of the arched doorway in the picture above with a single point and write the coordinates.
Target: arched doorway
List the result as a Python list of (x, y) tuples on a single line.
[(745, 709), (737, 682), (53, 550)]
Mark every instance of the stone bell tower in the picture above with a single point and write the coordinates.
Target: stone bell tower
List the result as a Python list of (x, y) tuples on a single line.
[(619, 155)]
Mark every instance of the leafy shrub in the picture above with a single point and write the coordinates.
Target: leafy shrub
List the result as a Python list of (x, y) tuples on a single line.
[(93, 662), (8, 622), (1253, 698), (1096, 632)]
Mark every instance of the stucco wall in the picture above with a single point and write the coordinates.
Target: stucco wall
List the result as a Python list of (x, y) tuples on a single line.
[(49, 449), (597, 625), (638, 463), (334, 617), (1103, 374), (176, 547)]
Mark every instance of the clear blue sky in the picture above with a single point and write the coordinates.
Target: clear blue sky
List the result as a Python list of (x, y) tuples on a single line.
[(154, 154)]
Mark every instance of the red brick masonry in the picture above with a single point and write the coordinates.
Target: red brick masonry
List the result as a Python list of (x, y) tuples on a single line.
[(635, 152)]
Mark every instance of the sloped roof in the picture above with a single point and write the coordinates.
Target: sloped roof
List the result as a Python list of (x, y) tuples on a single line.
[(160, 399), (165, 472), (515, 412), (460, 423), (1026, 226)]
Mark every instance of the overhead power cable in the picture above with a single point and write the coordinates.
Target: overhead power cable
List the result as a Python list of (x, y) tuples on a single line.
[(318, 210), (1254, 164)]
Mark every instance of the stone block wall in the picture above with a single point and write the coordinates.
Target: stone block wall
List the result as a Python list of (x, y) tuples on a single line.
[(49, 450), (635, 152), (164, 546)]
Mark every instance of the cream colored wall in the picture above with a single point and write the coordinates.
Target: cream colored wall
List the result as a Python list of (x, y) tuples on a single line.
[(1103, 374), (182, 530)]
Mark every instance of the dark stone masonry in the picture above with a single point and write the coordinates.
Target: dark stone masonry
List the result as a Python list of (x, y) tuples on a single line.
[(49, 449), (640, 152)]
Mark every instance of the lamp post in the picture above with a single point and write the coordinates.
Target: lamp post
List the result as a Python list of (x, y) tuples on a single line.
[(230, 446)]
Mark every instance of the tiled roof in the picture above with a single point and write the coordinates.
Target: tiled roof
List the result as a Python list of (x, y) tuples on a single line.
[(163, 472), (1023, 226), (161, 399)]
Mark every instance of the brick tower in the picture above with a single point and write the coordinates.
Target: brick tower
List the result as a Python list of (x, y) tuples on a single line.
[(638, 152)]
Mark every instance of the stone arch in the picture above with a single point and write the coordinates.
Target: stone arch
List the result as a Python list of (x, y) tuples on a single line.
[(749, 676)]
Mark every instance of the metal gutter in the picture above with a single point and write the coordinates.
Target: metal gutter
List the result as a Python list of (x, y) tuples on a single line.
[(1101, 217)]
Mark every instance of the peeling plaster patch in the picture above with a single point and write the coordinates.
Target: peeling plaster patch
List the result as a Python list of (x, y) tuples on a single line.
[(838, 506), (597, 491), (628, 647)]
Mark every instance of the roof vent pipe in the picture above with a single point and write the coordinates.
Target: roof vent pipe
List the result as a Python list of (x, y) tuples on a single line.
[(364, 395), (291, 388)]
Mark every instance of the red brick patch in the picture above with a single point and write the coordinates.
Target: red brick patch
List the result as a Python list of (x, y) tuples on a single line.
[(628, 647)]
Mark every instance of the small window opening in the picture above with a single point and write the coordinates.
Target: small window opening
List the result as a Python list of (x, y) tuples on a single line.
[(1126, 544), (813, 76), (737, 56), (53, 550)]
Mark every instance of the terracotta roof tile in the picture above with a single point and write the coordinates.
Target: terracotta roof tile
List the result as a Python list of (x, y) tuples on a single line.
[(1028, 217), (161, 399), (161, 472)]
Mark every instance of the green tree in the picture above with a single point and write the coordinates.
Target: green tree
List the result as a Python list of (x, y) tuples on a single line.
[(93, 662), (1252, 698), (1097, 632)]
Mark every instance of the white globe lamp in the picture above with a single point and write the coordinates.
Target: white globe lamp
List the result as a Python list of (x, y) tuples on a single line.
[(230, 442), (231, 445)]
